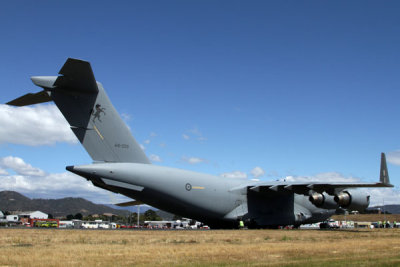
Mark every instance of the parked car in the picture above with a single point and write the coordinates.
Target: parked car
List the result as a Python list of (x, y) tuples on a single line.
[(329, 224)]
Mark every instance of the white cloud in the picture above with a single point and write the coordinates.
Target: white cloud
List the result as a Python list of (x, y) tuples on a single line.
[(126, 117), (257, 172), (20, 167), (234, 174), (32, 181), (3, 172), (323, 177), (34, 126), (193, 160), (394, 157), (153, 134), (147, 141), (155, 158), (195, 133), (142, 147), (380, 196)]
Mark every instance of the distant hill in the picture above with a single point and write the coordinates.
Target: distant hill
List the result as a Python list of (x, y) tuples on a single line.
[(393, 209), (13, 201), (165, 215)]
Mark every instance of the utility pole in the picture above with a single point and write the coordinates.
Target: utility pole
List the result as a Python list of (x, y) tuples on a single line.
[(138, 215), (384, 213)]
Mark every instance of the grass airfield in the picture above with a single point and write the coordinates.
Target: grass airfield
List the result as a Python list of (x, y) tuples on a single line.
[(52, 247)]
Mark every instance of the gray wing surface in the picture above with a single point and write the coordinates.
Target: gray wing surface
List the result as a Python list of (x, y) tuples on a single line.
[(307, 188)]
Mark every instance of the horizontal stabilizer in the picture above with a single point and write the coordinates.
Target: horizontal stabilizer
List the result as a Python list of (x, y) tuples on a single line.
[(129, 203), (30, 99)]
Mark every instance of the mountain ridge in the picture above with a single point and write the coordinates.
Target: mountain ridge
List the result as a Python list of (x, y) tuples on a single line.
[(14, 201)]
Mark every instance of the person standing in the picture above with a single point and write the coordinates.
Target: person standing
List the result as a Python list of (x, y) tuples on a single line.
[(241, 224)]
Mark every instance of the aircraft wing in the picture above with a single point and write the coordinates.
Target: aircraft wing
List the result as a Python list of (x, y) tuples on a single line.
[(306, 188), (320, 187)]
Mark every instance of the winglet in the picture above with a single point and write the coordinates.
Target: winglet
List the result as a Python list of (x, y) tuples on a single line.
[(384, 177)]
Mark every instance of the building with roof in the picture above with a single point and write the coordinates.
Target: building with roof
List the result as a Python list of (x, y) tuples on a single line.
[(24, 216), (33, 215)]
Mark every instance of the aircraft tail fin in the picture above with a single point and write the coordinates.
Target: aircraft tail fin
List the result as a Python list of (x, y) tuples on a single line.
[(384, 175), (92, 117)]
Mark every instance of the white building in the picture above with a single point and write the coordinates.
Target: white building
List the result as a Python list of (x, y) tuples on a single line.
[(33, 215), (26, 215), (1, 215)]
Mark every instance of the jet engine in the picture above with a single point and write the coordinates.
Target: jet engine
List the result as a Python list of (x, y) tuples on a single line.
[(323, 200), (352, 200)]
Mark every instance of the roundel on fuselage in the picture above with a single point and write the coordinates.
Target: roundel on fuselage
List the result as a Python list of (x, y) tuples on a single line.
[(188, 187)]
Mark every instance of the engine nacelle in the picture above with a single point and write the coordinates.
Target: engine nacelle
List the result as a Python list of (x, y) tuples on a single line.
[(352, 200), (323, 200)]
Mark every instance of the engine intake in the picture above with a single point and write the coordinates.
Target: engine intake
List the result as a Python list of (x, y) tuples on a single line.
[(343, 199), (352, 200), (317, 199), (323, 200)]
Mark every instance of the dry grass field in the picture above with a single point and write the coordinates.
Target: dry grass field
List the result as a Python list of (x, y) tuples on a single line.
[(45, 247)]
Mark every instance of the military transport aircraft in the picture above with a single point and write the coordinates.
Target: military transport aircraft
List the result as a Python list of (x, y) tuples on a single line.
[(121, 166)]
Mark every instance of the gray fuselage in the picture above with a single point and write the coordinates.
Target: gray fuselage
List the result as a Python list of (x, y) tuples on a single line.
[(207, 198)]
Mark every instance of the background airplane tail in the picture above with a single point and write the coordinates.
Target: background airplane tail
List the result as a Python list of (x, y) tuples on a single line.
[(384, 174), (87, 108)]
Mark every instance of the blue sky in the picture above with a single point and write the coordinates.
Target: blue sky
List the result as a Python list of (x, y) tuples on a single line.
[(295, 88)]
